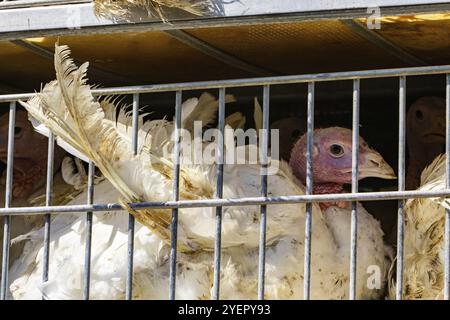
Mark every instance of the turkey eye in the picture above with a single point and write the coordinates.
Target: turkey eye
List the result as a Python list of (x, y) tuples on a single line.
[(419, 115), (17, 131), (336, 150)]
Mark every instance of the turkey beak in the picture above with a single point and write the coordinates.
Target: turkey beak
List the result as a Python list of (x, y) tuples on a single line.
[(372, 164)]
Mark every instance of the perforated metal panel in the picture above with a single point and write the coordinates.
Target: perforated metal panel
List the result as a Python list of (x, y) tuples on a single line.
[(426, 36), (300, 47), (291, 48)]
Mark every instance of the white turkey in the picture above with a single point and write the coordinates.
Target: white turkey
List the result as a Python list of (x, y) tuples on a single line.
[(88, 129), (424, 239), (425, 218)]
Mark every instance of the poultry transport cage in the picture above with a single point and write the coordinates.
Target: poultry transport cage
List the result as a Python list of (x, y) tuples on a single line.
[(302, 58)]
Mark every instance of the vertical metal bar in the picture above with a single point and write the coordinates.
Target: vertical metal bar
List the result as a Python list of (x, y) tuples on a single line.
[(309, 190), (135, 123), (8, 200), (263, 219), (88, 249), (354, 218), (48, 202), (131, 222), (176, 185), (447, 183), (219, 194), (401, 185)]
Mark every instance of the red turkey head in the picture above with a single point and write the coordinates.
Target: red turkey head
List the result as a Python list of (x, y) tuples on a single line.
[(332, 158)]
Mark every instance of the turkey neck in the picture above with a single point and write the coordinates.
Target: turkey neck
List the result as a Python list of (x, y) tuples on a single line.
[(329, 188)]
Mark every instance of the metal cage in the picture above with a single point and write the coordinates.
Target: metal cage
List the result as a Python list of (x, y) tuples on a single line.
[(263, 201)]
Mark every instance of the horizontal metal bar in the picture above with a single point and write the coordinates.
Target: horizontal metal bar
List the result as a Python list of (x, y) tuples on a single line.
[(37, 3), (246, 201), (265, 6), (249, 82), (34, 22)]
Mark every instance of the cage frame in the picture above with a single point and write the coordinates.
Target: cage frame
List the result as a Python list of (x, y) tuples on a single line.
[(263, 201)]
